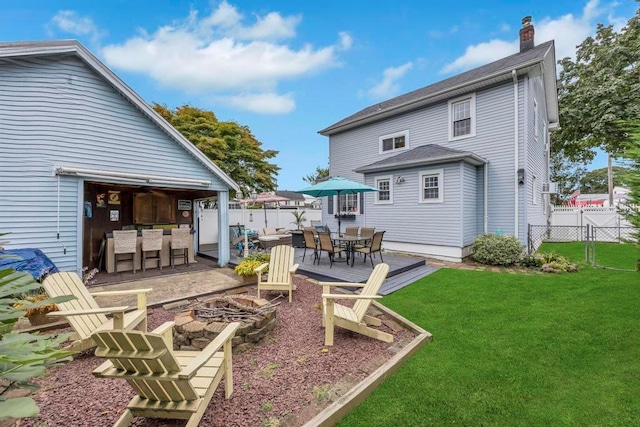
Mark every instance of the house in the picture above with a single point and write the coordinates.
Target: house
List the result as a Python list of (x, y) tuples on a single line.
[(296, 200), (461, 157), (81, 155)]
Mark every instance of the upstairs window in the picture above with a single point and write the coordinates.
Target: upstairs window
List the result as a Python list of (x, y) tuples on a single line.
[(394, 142), (384, 195), (431, 187), (462, 121), (348, 204), (535, 118)]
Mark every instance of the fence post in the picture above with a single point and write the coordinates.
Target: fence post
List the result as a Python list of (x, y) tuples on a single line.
[(586, 246)]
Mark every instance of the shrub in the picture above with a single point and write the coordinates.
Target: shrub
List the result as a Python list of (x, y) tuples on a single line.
[(537, 260), (251, 262), (562, 266), (497, 250)]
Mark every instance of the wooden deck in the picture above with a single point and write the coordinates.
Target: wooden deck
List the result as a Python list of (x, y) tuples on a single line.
[(403, 270)]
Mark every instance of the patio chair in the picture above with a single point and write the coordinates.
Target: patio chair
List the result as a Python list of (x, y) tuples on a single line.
[(374, 246), (281, 271), (354, 319), (351, 231), (168, 384), (310, 242), (85, 316), (326, 245)]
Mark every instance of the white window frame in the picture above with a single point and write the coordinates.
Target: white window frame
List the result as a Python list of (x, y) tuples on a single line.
[(404, 133), (433, 172), (378, 179), (536, 118), (342, 205), (472, 107), (534, 187)]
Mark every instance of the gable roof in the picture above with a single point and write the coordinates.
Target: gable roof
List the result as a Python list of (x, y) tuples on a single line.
[(291, 195), (421, 156), (73, 47), (484, 76)]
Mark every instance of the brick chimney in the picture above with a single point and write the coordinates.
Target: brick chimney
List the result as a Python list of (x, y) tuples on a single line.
[(526, 34)]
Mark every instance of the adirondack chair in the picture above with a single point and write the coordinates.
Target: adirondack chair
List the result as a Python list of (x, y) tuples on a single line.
[(83, 313), (354, 319), (170, 384), (281, 271)]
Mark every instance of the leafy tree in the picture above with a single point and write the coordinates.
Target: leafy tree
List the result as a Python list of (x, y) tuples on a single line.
[(597, 91), (631, 210), (596, 181), (567, 174), (229, 145), (23, 355), (315, 177)]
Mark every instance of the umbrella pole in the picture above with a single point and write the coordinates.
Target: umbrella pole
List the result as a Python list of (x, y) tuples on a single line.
[(264, 206), (339, 223)]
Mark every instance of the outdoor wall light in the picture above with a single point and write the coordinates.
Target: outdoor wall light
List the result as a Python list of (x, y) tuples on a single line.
[(520, 176), (399, 180)]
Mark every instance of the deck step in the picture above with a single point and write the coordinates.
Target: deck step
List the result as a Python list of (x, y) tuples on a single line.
[(401, 280)]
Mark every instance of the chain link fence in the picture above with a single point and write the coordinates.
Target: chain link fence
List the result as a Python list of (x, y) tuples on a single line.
[(591, 235)]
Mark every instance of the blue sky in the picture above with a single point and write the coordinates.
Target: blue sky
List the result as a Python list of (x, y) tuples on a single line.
[(287, 69)]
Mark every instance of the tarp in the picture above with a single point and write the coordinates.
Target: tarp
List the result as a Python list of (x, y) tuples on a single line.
[(32, 261)]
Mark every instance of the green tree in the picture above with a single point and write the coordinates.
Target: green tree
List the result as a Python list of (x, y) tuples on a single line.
[(631, 208), (567, 174), (596, 181), (228, 144), (315, 177), (598, 91)]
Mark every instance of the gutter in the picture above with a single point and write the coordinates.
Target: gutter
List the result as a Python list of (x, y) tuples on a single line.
[(472, 158), (420, 102)]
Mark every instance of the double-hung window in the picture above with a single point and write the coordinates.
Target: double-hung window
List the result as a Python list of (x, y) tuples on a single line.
[(431, 186), (394, 142), (462, 120), (384, 195), (535, 118), (348, 204)]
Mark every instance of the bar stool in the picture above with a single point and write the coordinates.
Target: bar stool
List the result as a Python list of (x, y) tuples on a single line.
[(124, 243), (151, 242), (179, 242)]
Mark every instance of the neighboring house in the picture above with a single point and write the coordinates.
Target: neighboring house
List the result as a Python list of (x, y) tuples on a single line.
[(458, 158), (296, 200), (81, 155), (620, 194)]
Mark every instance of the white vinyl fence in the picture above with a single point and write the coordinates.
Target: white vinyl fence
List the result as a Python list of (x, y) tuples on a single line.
[(594, 216), (254, 220)]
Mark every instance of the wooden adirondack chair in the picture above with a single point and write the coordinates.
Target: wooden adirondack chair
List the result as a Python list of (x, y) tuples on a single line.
[(83, 313), (281, 271), (354, 319), (169, 384)]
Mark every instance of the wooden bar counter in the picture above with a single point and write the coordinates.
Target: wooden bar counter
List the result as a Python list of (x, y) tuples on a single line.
[(164, 254)]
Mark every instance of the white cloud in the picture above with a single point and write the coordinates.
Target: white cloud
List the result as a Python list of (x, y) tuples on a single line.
[(388, 86), (264, 103), (70, 22), (219, 53), (568, 31)]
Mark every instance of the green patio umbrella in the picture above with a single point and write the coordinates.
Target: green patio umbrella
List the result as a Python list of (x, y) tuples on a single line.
[(336, 186)]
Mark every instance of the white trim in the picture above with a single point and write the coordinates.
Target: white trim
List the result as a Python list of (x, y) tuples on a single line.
[(536, 118), (377, 179), (138, 178), (404, 133), (472, 107), (432, 172)]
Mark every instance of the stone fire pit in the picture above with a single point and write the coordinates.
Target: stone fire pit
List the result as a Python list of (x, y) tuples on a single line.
[(196, 328)]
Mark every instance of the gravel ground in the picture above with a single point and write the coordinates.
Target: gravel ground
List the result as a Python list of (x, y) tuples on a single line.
[(283, 381)]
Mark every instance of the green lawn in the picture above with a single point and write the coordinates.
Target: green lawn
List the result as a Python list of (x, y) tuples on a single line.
[(613, 255), (515, 349)]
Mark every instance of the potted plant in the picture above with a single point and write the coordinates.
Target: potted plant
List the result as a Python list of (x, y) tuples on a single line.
[(246, 269), (299, 219), (37, 314), (297, 239)]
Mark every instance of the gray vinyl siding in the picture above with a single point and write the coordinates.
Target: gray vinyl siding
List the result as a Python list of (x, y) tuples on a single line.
[(494, 140), (469, 202), (62, 113), (407, 220), (536, 160)]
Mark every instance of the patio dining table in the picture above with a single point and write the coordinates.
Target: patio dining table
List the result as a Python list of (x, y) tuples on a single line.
[(349, 243)]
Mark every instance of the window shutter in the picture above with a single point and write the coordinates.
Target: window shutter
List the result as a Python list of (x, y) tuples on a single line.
[(361, 203), (330, 205)]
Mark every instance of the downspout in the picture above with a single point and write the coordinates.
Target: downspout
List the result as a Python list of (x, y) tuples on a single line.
[(514, 75), (486, 197)]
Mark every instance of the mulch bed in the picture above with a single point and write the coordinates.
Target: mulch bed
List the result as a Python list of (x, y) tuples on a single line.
[(283, 381)]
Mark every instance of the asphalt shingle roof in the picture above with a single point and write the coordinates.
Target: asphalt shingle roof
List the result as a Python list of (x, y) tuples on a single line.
[(516, 60)]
